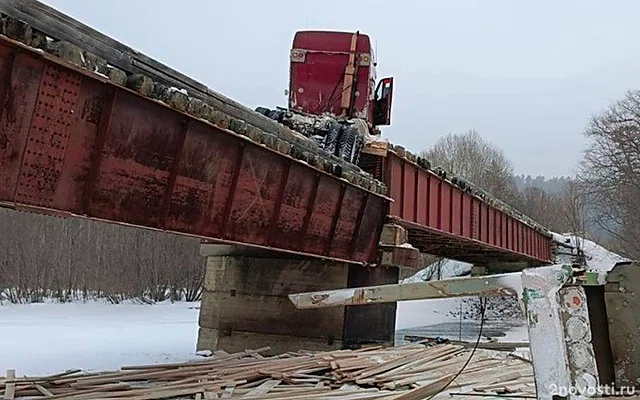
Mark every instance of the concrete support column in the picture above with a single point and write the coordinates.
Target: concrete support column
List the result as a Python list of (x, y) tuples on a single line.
[(245, 304), (372, 323), (479, 270)]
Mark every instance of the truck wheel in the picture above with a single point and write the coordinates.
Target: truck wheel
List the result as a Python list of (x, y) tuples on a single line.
[(360, 142), (332, 138), (263, 110), (276, 115), (348, 144)]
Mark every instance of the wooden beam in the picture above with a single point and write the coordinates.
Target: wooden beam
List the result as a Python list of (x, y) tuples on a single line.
[(503, 284)]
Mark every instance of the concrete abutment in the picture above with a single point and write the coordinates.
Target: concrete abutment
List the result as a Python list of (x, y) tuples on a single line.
[(245, 304)]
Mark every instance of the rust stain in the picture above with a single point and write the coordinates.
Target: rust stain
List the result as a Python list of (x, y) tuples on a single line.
[(359, 296), (575, 301), (9, 106)]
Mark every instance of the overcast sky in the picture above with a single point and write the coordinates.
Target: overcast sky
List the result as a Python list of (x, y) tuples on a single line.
[(526, 75)]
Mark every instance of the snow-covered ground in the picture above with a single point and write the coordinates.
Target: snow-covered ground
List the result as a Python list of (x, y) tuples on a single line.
[(41, 339), (411, 314), (445, 268)]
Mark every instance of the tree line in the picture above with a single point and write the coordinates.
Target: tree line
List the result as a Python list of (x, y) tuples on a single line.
[(470, 156), (601, 203), (72, 259), (609, 174)]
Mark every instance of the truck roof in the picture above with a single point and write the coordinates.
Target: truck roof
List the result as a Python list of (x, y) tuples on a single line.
[(330, 41)]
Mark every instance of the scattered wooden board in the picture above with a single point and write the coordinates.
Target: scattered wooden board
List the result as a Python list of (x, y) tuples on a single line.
[(10, 388), (412, 371)]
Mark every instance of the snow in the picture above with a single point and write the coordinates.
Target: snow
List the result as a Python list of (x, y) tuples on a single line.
[(434, 318), (597, 257), (415, 313), (97, 72), (518, 333), (440, 317), (547, 340), (418, 313), (175, 89), (448, 269), (42, 339)]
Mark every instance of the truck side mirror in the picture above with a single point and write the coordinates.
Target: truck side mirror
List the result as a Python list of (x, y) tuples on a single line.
[(382, 102)]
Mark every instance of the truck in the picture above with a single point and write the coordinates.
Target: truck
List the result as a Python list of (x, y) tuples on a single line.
[(333, 95)]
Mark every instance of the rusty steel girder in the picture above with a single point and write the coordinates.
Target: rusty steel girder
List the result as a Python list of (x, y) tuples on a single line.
[(451, 220), (72, 143)]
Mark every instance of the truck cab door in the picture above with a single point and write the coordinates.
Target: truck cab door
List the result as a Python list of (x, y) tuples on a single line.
[(382, 102)]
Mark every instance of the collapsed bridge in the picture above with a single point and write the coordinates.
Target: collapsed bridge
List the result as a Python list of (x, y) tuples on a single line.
[(91, 128)]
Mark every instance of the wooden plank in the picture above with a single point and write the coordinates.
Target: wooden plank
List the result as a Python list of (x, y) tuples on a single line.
[(427, 390), (502, 346), (46, 392), (263, 389), (418, 355), (10, 389), (499, 284)]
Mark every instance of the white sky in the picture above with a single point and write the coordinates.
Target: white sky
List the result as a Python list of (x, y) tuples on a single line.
[(526, 75)]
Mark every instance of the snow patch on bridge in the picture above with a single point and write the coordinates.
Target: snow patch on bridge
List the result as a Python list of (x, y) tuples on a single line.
[(596, 257)]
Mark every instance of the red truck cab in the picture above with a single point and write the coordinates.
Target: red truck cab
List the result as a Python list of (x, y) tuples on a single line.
[(335, 73)]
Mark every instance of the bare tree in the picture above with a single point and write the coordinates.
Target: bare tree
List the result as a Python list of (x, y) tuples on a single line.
[(543, 207), (470, 156), (574, 212), (69, 259), (610, 171), (473, 158)]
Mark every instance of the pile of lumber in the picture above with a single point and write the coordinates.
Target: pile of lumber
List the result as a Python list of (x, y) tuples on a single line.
[(502, 346), (413, 371)]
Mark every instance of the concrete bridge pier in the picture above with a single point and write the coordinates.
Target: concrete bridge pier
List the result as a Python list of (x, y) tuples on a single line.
[(245, 304)]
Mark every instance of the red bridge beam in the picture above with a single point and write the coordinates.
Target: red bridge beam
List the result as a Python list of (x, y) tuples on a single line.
[(72, 142), (444, 220)]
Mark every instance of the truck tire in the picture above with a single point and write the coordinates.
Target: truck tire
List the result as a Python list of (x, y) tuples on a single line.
[(347, 143), (263, 110), (360, 142), (332, 138), (276, 115)]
